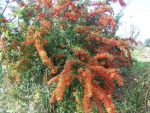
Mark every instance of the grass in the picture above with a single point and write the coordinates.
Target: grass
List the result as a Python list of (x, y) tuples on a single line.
[(134, 97)]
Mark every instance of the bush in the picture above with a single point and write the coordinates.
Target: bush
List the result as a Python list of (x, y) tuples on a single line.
[(65, 45)]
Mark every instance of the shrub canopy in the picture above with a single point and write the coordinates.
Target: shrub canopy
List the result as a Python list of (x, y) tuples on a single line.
[(65, 44)]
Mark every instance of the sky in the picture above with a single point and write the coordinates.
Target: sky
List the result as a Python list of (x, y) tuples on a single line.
[(137, 14)]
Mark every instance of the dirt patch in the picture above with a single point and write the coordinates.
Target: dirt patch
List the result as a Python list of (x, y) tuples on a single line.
[(145, 54)]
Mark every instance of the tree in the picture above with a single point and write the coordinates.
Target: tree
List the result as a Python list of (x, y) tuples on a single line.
[(147, 42)]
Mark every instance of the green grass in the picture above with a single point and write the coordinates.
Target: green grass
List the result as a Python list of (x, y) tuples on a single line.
[(134, 97)]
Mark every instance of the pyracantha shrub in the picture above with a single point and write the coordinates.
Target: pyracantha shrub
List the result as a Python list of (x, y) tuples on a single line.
[(61, 42)]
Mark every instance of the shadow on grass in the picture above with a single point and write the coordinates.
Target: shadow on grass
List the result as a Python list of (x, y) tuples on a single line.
[(134, 96)]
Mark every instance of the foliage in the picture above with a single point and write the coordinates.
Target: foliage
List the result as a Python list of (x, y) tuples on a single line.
[(66, 45), (135, 96)]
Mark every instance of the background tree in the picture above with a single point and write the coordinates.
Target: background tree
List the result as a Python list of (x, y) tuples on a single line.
[(147, 42)]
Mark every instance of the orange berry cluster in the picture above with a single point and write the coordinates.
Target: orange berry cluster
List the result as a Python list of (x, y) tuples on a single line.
[(95, 64), (88, 70)]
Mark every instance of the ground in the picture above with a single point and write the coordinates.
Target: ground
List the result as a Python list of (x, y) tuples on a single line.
[(142, 54)]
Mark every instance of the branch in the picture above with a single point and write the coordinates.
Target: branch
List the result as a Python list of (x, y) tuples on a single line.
[(10, 20), (7, 1)]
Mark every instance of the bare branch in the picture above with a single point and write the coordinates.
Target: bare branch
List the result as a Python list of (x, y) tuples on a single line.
[(7, 1), (10, 20)]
